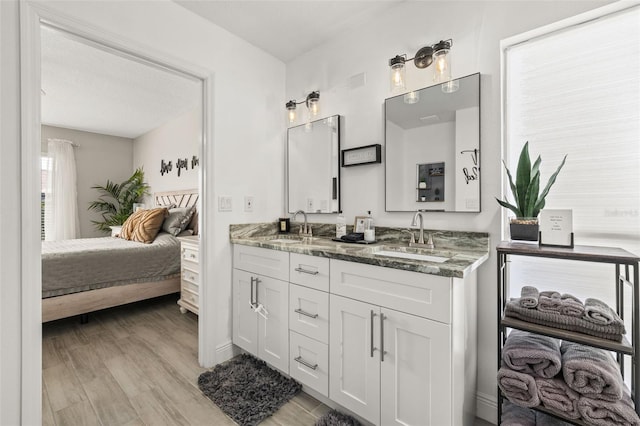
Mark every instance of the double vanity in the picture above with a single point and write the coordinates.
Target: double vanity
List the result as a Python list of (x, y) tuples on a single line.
[(385, 330)]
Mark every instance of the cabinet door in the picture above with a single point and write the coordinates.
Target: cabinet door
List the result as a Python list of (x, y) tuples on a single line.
[(245, 323), (354, 372), (273, 331), (415, 371)]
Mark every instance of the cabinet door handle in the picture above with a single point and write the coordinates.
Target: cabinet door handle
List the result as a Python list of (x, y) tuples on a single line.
[(257, 282), (306, 314), (251, 296), (373, 314), (306, 271), (305, 363), (382, 351)]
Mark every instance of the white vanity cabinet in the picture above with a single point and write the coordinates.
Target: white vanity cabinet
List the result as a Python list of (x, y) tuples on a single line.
[(396, 339), (260, 277)]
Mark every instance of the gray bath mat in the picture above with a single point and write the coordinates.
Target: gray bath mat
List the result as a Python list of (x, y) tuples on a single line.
[(246, 389), (336, 418)]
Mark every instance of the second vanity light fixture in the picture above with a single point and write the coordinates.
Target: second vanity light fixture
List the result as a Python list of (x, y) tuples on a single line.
[(313, 106), (438, 53)]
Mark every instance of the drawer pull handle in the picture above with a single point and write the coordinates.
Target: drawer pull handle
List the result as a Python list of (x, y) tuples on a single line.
[(306, 271), (306, 314), (305, 363), (373, 314)]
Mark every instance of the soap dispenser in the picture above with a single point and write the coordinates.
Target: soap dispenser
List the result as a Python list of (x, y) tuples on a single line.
[(369, 229), (341, 225)]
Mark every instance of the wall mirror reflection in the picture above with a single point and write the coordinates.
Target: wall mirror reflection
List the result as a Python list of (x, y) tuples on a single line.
[(432, 142), (313, 167)]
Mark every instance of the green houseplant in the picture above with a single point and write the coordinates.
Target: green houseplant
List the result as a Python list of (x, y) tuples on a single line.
[(528, 198), (116, 200)]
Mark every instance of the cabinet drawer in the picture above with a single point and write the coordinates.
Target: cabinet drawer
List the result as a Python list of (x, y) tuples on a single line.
[(309, 271), (190, 275), (193, 288), (309, 312), (425, 295), (309, 362), (190, 254), (189, 296), (271, 263)]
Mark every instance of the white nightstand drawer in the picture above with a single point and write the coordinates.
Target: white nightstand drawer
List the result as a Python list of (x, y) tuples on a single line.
[(190, 255), (190, 275), (189, 296), (309, 271), (309, 312), (191, 287), (309, 362)]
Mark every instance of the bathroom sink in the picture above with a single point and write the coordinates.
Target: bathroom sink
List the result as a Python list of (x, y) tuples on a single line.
[(410, 253)]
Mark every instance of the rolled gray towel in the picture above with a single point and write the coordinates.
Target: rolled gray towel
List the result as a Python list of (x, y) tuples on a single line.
[(558, 397), (600, 313), (519, 388), (571, 306), (532, 354), (549, 301), (611, 332), (514, 415), (606, 413), (529, 297), (591, 372)]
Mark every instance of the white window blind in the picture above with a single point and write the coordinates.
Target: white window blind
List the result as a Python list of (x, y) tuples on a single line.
[(577, 92)]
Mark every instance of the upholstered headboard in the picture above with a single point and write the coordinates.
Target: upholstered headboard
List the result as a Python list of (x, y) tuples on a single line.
[(183, 198)]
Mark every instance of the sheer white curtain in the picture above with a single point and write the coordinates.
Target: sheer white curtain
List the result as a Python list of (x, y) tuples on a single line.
[(61, 199)]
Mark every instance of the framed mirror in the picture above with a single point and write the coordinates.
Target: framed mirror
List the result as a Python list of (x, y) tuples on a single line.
[(432, 142), (313, 166)]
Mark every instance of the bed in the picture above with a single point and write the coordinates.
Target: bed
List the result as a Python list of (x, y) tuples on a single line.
[(85, 275)]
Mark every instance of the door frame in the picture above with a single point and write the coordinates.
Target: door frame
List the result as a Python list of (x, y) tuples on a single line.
[(31, 17)]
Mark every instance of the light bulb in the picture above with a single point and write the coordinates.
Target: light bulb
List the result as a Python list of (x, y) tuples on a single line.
[(397, 70), (313, 104), (442, 70), (292, 115)]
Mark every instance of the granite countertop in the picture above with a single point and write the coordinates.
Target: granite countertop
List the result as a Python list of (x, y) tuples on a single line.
[(465, 251)]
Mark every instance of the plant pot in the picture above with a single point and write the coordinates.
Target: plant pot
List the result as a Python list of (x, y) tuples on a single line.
[(524, 229)]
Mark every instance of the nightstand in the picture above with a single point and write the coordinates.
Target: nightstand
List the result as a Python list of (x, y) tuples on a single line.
[(189, 274), (115, 230)]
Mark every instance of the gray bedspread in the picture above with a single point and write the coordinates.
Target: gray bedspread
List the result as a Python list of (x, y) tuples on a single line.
[(71, 266)]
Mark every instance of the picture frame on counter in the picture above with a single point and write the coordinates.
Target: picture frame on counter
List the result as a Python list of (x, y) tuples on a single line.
[(358, 225), (556, 228)]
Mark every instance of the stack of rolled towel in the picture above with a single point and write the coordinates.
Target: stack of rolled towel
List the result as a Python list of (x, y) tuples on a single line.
[(570, 380), (566, 312)]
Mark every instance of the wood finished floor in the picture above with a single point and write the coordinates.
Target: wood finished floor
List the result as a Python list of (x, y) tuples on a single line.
[(137, 365)]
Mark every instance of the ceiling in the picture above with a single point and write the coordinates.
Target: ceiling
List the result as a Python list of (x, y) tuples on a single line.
[(286, 29), (88, 87)]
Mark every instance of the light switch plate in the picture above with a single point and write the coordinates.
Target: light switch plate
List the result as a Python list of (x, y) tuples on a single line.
[(225, 204), (248, 203)]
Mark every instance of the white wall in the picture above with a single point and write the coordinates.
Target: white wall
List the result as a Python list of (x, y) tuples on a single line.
[(98, 158), (177, 138), (248, 143), (476, 28)]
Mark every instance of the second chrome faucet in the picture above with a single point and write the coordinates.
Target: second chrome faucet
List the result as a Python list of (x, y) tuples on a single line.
[(429, 244)]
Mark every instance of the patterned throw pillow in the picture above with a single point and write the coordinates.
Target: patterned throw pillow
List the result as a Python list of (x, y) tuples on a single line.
[(144, 225)]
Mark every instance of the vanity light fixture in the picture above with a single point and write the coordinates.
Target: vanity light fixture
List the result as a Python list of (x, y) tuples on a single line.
[(425, 56), (313, 106)]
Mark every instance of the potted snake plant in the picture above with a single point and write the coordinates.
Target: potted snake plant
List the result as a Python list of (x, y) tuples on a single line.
[(528, 199)]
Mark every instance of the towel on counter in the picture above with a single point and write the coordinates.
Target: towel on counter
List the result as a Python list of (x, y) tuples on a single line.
[(606, 413), (559, 398), (529, 297), (549, 301), (513, 415), (571, 306), (611, 332), (592, 372), (519, 388), (598, 312), (532, 354)]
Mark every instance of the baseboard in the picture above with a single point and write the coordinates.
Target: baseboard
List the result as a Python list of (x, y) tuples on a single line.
[(487, 407), (225, 352)]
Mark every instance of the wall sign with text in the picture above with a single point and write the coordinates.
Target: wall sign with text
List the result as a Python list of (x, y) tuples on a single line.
[(556, 227), (362, 155)]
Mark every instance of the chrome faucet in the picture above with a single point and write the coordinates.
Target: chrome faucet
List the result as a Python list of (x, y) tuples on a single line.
[(421, 243), (305, 230)]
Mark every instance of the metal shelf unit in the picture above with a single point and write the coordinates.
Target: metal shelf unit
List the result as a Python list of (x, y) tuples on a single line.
[(626, 273)]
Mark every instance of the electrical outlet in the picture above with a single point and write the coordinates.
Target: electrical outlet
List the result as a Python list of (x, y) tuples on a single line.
[(248, 203), (225, 204), (309, 204)]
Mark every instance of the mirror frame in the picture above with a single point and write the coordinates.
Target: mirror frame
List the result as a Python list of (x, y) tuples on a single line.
[(479, 152), (338, 188)]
